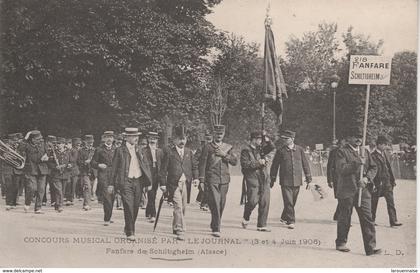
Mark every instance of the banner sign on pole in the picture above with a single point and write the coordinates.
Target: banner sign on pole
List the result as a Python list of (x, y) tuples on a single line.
[(370, 69)]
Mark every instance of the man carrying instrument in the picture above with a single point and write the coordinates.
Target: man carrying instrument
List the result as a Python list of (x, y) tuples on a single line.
[(86, 173), (214, 173)]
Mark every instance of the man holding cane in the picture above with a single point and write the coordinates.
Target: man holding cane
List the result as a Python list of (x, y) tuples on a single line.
[(349, 165)]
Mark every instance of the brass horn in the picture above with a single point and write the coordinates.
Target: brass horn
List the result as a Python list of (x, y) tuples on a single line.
[(11, 157)]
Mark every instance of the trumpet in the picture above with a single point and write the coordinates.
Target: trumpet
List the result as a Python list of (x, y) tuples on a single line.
[(11, 157)]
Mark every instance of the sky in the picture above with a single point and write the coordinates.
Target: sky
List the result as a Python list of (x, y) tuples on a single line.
[(394, 21)]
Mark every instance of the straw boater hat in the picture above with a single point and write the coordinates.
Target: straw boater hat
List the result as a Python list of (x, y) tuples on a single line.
[(131, 132), (108, 133), (152, 134)]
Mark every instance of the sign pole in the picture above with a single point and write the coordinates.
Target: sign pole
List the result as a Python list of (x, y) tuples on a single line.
[(362, 148)]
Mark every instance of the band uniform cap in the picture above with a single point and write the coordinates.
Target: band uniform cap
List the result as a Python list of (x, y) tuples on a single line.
[(180, 131), (35, 133), (88, 138), (61, 140), (77, 140), (14, 136), (256, 134), (51, 138), (108, 133), (68, 140), (131, 131), (153, 134), (219, 129), (288, 134), (382, 140)]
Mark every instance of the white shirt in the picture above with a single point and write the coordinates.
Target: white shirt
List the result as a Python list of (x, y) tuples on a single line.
[(134, 170), (181, 154), (153, 151)]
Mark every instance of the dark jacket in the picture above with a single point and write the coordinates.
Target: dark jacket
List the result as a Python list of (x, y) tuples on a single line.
[(63, 158), (33, 163), (158, 164), (292, 163), (103, 155), (85, 154), (254, 172), (332, 175), (173, 166), (121, 165), (348, 166), (384, 180), (74, 154), (214, 169)]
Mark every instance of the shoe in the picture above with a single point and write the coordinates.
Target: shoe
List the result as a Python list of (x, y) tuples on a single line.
[(290, 226), (13, 207), (205, 208), (71, 203), (342, 248), (131, 238), (377, 225), (396, 224), (120, 208), (283, 222), (44, 203), (264, 229), (180, 237), (374, 252), (244, 223), (39, 212), (53, 204), (86, 208), (216, 234), (106, 223), (152, 220), (26, 208), (111, 222), (60, 210)]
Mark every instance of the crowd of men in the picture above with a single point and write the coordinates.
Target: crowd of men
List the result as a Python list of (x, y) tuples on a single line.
[(130, 168)]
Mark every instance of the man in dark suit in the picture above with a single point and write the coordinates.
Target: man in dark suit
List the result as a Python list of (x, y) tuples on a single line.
[(292, 162), (102, 161), (154, 158), (214, 173), (202, 196), (257, 179), (179, 168), (349, 164), (36, 170), (384, 181), (130, 174), (74, 173), (84, 159), (332, 171)]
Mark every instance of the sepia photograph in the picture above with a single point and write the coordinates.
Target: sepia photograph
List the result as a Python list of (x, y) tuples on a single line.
[(208, 134)]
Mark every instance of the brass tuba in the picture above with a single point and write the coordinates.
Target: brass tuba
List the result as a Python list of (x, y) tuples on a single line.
[(11, 157)]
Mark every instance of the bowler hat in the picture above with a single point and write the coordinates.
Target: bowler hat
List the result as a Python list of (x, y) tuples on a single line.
[(382, 140), (131, 131), (256, 134), (354, 131), (287, 134), (180, 132)]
